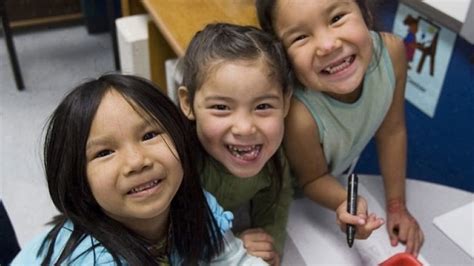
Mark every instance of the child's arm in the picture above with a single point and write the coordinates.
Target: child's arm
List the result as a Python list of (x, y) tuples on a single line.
[(307, 160), (308, 163), (391, 139)]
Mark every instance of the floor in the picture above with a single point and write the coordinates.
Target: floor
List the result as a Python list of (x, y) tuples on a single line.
[(52, 61)]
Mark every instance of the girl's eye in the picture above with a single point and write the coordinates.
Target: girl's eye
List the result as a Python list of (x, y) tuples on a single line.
[(299, 38), (219, 107), (103, 153), (150, 135), (263, 106), (337, 18)]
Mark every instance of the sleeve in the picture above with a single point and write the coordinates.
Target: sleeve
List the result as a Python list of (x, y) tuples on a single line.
[(235, 254), (27, 255), (272, 215), (223, 218)]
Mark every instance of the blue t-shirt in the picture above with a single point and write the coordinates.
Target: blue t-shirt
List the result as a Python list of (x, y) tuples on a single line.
[(234, 253)]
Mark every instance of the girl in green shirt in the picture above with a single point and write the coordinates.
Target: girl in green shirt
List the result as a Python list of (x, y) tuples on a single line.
[(236, 90)]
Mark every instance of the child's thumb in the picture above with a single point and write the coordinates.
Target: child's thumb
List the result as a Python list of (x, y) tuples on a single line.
[(393, 233)]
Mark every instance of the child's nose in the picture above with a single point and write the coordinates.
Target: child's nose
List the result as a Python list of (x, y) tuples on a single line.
[(326, 45), (244, 125), (135, 160)]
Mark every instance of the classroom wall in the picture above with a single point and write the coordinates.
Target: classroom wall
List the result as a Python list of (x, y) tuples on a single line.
[(440, 149)]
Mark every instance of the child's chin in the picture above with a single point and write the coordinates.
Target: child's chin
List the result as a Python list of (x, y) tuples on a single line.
[(245, 172)]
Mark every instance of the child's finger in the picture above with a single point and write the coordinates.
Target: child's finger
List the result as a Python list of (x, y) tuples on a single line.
[(265, 255), (374, 222), (413, 240), (256, 235), (419, 242), (393, 234), (347, 218), (409, 242), (256, 246), (403, 234)]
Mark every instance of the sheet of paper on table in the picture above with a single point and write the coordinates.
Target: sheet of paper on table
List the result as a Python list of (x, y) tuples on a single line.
[(458, 225), (318, 238)]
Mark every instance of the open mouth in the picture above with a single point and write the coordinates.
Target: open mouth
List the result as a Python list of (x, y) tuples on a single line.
[(144, 187), (246, 153), (339, 66)]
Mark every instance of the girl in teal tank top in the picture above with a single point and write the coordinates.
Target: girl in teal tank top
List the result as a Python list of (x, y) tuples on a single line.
[(352, 89)]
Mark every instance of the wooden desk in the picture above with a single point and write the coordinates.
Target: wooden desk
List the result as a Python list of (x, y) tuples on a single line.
[(179, 20), (176, 21)]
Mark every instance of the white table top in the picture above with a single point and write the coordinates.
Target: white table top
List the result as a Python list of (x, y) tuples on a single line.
[(315, 239)]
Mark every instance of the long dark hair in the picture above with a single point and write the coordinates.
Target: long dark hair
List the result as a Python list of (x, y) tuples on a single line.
[(195, 235), (223, 42)]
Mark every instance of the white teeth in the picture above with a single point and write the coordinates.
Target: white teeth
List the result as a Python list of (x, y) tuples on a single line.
[(242, 149), (145, 186), (246, 152), (334, 69)]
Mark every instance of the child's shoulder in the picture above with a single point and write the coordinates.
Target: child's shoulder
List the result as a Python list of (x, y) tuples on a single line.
[(82, 255), (394, 44), (396, 50), (27, 255), (300, 124)]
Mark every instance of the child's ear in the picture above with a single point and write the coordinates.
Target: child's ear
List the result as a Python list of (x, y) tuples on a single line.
[(184, 102), (287, 99)]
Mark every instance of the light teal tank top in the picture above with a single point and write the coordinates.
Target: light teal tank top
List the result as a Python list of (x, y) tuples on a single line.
[(346, 128)]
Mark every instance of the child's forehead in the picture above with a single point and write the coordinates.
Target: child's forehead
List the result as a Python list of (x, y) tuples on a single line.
[(257, 63), (236, 68), (322, 5), (113, 97), (237, 78)]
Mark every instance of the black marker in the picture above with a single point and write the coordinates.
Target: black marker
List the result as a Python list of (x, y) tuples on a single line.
[(351, 206)]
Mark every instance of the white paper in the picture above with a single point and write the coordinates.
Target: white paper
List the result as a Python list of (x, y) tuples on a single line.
[(458, 225), (318, 238)]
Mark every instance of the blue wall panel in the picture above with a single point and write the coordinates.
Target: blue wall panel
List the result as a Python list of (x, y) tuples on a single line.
[(440, 149)]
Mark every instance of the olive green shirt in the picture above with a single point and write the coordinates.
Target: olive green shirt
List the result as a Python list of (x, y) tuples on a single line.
[(267, 210)]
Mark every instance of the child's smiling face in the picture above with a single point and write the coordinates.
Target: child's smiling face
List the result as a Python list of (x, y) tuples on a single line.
[(327, 42), (239, 112), (132, 167)]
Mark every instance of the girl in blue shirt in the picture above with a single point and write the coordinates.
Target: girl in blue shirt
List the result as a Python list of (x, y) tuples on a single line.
[(120, 172)]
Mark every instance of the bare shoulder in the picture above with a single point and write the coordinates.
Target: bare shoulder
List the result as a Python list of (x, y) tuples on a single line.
[(396, 50), (302, 144), (392, 42), (299, 120), (301, 132)]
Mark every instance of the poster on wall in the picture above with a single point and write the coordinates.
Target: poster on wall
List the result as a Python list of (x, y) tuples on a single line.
[(428, 49)]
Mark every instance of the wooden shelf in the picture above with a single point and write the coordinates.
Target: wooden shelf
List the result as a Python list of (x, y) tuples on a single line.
[(45, 20)]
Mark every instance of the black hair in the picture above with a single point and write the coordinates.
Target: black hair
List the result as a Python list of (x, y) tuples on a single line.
[(266, 10), (223, 42), (194, 234)]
